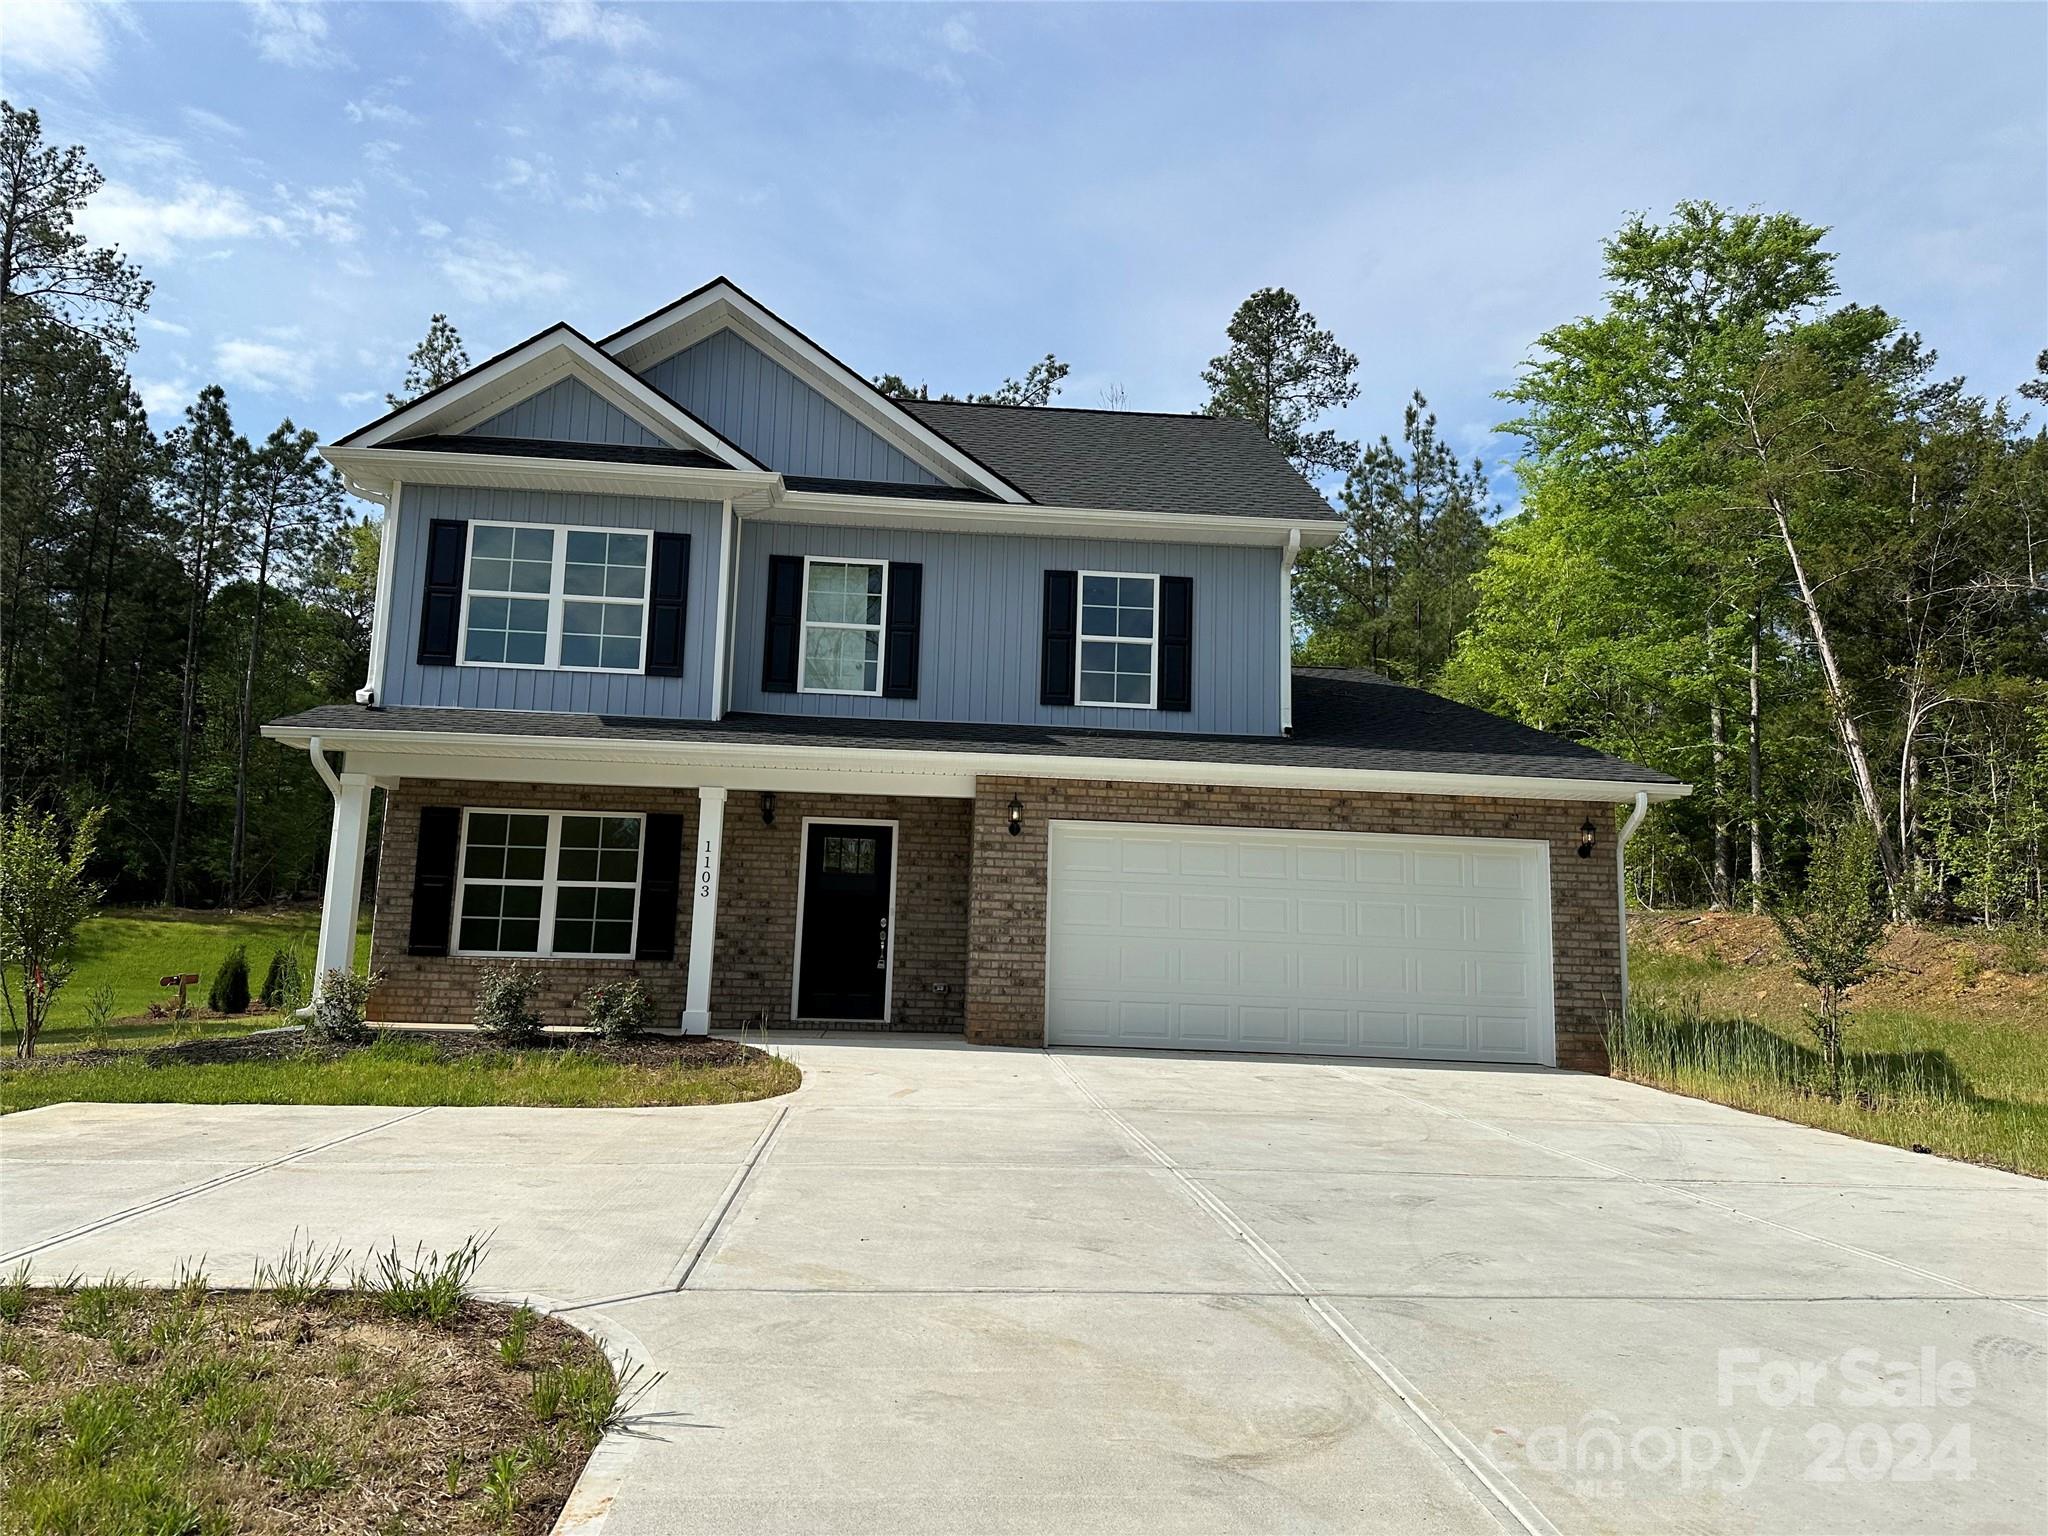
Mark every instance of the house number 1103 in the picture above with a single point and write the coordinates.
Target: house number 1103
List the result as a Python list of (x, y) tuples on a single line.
[(704, 871)]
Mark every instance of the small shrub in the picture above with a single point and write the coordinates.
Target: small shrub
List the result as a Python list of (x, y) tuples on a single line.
[(504, 1004), (1968, 969), (284, 983), (99, 1014), (431, 1288), (2019, 950), (341, 1011), (230, 991), (618, 1010)]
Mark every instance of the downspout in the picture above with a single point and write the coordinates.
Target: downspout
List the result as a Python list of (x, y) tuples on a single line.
[(326, 771), (1628, 829), (721, 634), (1287, 558)]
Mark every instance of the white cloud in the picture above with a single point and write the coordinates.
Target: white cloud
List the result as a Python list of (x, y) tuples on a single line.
[(533, 178), (517, 25), (486, 272), (165, 327), (375, 108), (292, 33), (356, 397), (263, 365), (211, 122), (166, 397), (198, 213), (959, 37), (61, 37), (432, 229), (326, 213)]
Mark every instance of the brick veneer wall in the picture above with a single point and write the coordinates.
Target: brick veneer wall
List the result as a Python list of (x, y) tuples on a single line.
[(1006, 971), (441, 989), (752, 971), (753, 967)]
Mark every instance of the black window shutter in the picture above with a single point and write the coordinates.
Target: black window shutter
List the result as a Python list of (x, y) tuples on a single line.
[(900, 634), (1176, 642), (433, 878), (441, 606), (668, 605), (661, 881), (783, 632), (1056, 656)]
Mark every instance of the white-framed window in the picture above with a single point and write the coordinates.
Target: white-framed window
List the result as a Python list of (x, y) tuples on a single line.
[(844, 601), (1119, 660), (549, 883), (544, 595)]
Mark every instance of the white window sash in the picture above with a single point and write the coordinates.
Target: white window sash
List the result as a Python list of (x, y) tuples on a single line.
[(551, 886), (807, 624), (1082, 637), (555, 597)]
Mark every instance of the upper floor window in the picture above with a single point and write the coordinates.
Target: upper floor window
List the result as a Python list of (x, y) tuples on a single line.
[(548, 883), (842, 642), (541, 596), (1119, 659)]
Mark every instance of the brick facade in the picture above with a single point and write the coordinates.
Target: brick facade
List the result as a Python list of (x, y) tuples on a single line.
[(1006, 972), (753, 969), (969, 941)]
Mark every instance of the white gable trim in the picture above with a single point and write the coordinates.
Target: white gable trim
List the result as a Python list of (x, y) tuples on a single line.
[(719, 305), (527, 369)]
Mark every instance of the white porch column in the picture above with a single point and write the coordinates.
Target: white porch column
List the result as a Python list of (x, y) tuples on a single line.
[(704, 909), (343, 897)]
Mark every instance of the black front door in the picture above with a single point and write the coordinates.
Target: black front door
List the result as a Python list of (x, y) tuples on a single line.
[(843, 972)]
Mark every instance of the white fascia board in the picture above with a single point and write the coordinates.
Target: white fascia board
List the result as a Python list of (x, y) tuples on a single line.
[(532, 367), (456, 754), (719, 304), (1080, 522), (370, 472)]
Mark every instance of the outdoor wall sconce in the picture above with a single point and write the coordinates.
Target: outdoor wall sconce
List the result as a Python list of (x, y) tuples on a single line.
[(1016, 816), (1586, 830), (767, 807)]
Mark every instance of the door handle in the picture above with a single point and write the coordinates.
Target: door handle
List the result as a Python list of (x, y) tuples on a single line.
[(882, 949)]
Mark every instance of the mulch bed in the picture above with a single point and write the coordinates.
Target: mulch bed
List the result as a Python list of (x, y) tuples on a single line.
[(449, 1045)]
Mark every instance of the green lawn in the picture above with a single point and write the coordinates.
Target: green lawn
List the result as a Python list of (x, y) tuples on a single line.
[(404, 1071), (129, 948), (1959, 1078)]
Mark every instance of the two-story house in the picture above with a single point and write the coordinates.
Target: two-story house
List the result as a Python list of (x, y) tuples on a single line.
[(697, 659)]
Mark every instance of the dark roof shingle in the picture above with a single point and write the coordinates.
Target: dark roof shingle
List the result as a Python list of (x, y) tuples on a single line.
[(1133, 461)]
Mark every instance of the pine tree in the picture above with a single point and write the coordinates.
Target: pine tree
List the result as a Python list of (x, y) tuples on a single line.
[(440, 358), (1281, 372)]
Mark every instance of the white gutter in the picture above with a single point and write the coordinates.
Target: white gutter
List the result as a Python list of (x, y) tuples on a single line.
[(380, 620), (1287, 557), (720, 631), (739, 756), (372, 471), (1628, 830), (321, 766)]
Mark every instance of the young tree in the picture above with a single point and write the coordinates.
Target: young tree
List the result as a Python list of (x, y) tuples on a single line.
[(1395, 590), (294, 504), (44, 896), (439, 358), (1834, 930), (1282, 371), (205, 462)]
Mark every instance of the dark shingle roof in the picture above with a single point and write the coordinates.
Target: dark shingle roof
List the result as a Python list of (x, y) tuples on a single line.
[(1129, 460), (1342, 720)]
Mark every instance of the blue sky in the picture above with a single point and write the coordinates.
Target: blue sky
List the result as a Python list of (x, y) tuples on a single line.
[(949, 192)]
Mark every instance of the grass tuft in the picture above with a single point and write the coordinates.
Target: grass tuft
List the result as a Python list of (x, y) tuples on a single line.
[(429, 1288), (300, 1275)]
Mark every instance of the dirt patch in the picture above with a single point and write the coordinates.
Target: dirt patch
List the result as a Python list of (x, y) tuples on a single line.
[(215, 1411), (1935, 969)]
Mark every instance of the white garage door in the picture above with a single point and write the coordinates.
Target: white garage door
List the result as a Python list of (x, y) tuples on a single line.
[(1327, 943)]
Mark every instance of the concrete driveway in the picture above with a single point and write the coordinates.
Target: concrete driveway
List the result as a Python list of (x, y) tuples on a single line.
[(942, 1288)]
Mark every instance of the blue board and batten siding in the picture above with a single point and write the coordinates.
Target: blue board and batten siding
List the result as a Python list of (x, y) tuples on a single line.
[(983, 594), (606, 693), (568, 411), (775, 416)]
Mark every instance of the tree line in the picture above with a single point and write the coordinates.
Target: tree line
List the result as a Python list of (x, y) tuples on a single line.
[(1762, 543)]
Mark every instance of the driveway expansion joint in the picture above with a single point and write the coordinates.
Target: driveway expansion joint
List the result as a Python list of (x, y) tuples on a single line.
[(708, 1232)]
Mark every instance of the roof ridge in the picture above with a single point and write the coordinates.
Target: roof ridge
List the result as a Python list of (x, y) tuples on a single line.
[(1071, 410)]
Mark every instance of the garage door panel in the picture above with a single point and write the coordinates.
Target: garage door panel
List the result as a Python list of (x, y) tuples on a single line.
[(1325, 943)]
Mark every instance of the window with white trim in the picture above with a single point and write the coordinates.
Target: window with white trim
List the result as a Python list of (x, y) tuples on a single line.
[(1119, 660), (548, 883), (541, 595), (842, 640)]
